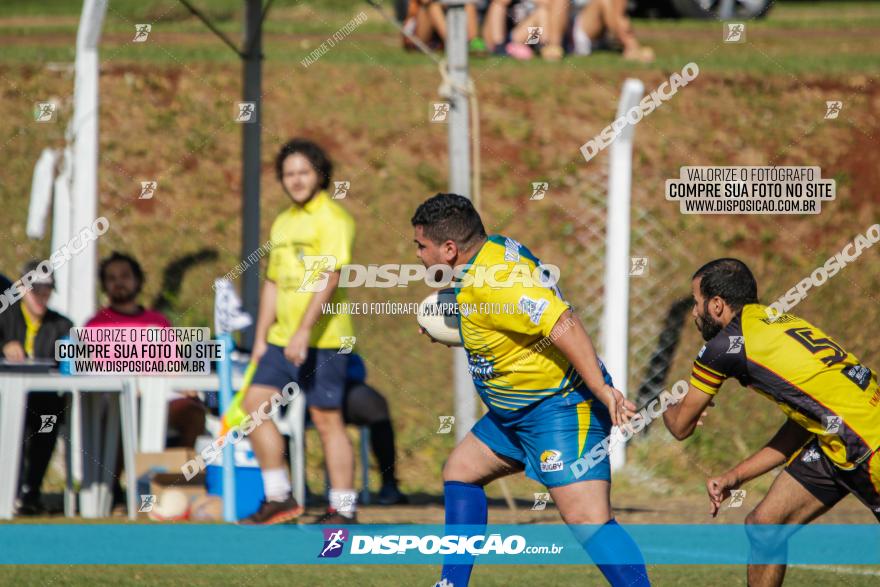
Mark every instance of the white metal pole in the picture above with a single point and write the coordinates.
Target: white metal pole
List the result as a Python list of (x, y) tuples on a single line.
[(61, 231), (615, 308), (84, 130), (459, 183)]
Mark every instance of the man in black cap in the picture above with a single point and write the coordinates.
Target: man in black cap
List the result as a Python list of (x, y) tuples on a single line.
[(29, 329)]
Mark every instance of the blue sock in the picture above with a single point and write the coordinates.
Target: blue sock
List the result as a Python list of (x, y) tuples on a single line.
[(465, 505), (612, 543)]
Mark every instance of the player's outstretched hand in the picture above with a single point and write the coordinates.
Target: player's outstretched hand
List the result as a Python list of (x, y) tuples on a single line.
[(719, 490), (620, 408), (705, 413)]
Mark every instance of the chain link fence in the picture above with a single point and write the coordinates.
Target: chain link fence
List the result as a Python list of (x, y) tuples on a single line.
[(659, 299)]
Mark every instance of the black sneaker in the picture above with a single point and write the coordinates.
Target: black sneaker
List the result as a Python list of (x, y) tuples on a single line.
[(274, 512), (120, 502), (391, 495), (334, 518), (30, 506)]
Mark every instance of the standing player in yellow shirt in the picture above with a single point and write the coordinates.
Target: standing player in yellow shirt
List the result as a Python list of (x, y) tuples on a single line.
[(294, 342), (831, 439), (549, 404)]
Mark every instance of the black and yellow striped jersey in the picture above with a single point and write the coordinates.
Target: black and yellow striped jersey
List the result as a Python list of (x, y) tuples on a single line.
[(813, 379)]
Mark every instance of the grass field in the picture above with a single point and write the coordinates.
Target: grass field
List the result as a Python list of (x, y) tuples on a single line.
[(416, 575), (169, 118), (166, 114)]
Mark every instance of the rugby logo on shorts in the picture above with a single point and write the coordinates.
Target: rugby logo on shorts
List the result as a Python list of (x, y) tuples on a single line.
[(551, 460), (811, 455)]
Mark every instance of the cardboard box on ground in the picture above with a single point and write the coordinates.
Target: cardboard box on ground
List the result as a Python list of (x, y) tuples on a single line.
[(156, 472)]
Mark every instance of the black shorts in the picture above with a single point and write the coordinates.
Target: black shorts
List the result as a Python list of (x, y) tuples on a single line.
[(828, 483)]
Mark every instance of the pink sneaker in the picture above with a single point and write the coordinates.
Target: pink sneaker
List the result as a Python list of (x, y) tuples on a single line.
[(519, 51)]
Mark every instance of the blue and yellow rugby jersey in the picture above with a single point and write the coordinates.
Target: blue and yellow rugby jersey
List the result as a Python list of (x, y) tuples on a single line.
[(814, 380), (501, 326)]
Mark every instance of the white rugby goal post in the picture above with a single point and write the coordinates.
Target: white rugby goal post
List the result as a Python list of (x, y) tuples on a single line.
[(615, 308)]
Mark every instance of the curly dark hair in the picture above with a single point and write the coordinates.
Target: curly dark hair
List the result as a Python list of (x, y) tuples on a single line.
[(730, 279), (311, 151), (450, 217)]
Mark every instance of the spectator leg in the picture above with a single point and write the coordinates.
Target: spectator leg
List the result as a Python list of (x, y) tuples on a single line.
[(382, 440), (495, 24), (594, 17), (437, 18), (365, 465), (187, 416), (40, 443), (472, 21), (557, 19)]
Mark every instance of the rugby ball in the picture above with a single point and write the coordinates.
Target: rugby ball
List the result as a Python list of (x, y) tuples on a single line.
[(171, 505), (438, 316)]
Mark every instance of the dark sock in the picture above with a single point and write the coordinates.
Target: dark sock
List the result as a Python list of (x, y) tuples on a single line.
[(465, 505), (382, 441)]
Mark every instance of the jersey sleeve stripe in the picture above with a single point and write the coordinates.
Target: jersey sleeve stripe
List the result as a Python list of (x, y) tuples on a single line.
[(703, 385), (708, 377), (709, 370)]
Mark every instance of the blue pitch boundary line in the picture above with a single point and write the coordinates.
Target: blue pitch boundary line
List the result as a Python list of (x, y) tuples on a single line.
[(825, 544)]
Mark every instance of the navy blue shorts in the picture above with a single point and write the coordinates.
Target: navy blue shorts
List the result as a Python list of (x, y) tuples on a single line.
[(321, 377)]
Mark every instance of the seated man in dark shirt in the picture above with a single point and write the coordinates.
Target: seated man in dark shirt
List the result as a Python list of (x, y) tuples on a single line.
[(29, 329)]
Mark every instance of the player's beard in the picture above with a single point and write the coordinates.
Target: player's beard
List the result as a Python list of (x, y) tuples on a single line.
[(708, 328), (117, 297)]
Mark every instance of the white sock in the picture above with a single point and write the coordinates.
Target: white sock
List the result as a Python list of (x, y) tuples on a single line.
[(344, 501), (276, 484), (582, 43)]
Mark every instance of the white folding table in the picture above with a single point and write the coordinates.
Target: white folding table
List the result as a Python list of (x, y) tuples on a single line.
[(93, 465)]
